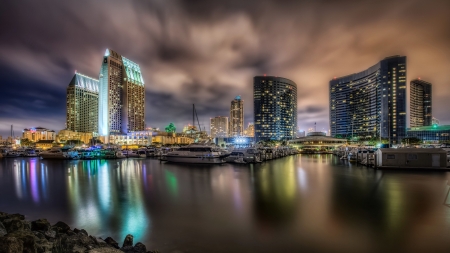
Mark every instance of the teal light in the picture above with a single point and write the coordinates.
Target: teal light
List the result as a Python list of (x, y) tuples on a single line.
[(133, 71)]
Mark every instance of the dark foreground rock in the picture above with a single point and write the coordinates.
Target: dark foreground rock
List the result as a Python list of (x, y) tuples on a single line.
[(18, 235)]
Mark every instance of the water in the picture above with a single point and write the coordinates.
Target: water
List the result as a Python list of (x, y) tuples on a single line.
[(298, 203)]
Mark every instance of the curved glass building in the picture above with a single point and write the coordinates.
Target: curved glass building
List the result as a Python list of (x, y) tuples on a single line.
[(275, 108), (371, 103)]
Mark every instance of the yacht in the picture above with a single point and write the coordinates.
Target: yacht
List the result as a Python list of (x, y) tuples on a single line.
[(196, 153), (134, 153), (248, 155), (111, 153), (152, 152), (59, 153), (30, 152)]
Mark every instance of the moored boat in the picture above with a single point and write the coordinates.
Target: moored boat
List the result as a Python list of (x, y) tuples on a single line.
[(196, 153), (59, 153)]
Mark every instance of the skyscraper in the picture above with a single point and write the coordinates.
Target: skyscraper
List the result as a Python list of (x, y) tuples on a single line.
[(275, 108), (121, 96), (237, 117), (219, 127), (371, 103), (420, 103), (82, 104)]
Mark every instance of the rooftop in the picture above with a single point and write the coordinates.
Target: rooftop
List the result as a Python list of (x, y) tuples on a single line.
[(430, 128)]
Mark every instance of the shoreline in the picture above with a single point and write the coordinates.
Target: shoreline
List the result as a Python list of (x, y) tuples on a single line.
[(19, 235)]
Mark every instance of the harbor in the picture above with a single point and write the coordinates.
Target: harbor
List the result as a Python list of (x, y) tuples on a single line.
[(260, 207)]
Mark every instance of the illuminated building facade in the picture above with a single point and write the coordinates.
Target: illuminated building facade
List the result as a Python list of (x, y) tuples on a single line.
[(420, 110), (219, 127), (250, 130), (371, 103), (275, 108), (82, 104), (237, 117), (66, 135), (36, 134), (121, 96), (432, 134)]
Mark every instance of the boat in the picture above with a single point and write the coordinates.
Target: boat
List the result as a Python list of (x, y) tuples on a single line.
[(29, 152), (59, 153), (134, 153), (12, 153), (248, 155), (196, 153), (152, 152), (111, 153)]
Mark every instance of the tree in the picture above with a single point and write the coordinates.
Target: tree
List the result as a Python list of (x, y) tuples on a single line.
[(170, 128), (411, 140), (26, 142), (74, 142)]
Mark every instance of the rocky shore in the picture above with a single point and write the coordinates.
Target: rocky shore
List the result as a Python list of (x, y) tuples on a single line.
[(39, 236)]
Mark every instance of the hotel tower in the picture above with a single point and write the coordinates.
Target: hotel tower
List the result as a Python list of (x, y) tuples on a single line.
[(371, 103), (121, 96), (82, 104), (275, 108)]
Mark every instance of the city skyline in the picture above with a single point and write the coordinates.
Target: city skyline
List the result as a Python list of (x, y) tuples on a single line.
[(227, 51)]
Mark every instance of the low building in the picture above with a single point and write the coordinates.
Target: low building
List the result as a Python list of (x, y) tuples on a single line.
[(44, 144), (317, 142), (163, 138), (132, 138), (431, 134), (239, 142), (36, 134), (65, 135)]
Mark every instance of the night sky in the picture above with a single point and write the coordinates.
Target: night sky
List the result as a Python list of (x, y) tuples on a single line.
[(207, 52)]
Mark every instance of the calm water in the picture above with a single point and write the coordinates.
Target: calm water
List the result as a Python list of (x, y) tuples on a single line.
[(298, 203)]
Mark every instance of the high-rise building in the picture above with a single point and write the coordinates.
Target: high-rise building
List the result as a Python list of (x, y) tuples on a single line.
[(420, 103), (275, 108), (121, 96), (250, 130), (237, 117), (219, 127), (82, 104), (371, 103)]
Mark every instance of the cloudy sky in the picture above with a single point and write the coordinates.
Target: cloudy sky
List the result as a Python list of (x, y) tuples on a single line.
[(207, 52)]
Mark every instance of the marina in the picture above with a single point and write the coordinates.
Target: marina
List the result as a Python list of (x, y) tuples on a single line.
[(260, 207)]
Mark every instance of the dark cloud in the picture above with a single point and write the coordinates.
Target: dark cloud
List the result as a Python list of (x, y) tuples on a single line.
[(207, 52)]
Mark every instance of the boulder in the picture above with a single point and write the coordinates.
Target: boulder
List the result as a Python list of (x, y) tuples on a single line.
[(61, 227), (50, 234), (27, 238), (13, 225), (139, 248), (111, 242), (16, 216), (77, 231), (128, 242), (41, 224), (11, 245), (2, 230), (105, 250)]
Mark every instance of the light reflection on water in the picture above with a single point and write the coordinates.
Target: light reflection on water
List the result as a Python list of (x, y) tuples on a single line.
[(309, 203)]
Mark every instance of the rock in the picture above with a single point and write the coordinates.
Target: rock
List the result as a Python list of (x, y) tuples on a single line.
[(44, 246), (140, 248), (13, 225), (16, 216), (128, 242), (98, 241), (2, 230), (77, 231), (11, 245), (39, 235), (26, 225), (105, 250), (41, 224), (61, 227), (27, 238), (50, 234), (112, 242)]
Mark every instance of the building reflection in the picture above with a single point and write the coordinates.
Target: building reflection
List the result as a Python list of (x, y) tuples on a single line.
[(111, 199), (30, 180)]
